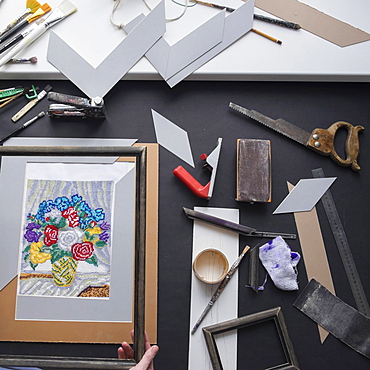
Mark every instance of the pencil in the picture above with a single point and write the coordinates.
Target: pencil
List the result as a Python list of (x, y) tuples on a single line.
[(267, 36), (220, 289)]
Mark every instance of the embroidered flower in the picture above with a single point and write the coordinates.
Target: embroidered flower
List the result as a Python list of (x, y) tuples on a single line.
[(54, 214), (82, 251), (32, 236), (68, 237), (104, 236), (72, 216), (65, 227), (33, 225), (36, 256), (51, 235)]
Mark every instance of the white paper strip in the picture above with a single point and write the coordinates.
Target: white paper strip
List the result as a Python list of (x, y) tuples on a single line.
[(226, 307)]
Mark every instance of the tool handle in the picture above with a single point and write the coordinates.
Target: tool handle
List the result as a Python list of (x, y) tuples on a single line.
[(196, 187), (322, 141)]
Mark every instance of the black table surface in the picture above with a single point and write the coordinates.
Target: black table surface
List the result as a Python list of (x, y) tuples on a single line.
[(201, 108)]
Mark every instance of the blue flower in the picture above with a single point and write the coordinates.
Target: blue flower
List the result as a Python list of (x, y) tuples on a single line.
[(98, 214), (62, 203), (75, 199)]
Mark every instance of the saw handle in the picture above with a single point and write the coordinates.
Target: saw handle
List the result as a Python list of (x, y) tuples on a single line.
[(322, 141), (194, 185)]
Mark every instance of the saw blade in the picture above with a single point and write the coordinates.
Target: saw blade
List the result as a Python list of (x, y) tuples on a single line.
[(279, 125)]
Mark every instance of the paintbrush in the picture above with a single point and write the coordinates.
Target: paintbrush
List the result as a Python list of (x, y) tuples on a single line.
[(220, 289), (278, 22), (38, 14), (31, 7), (61, 12)]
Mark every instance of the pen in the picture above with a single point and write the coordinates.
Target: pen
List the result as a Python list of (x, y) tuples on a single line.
[(20, 128), (220, 289)]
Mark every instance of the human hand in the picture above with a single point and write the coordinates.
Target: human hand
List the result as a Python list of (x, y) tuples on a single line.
[(125, 352)]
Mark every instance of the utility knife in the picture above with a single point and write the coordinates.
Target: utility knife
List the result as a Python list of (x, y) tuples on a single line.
[(319, 140)]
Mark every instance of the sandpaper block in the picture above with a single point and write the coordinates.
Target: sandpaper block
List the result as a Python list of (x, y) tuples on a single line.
[(253, 172)]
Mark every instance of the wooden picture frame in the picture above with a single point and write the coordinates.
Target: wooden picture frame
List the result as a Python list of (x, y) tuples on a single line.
[(274, 314), (139, 154)]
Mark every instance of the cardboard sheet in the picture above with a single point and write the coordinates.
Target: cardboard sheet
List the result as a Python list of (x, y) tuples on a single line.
[(314, 21), (98, 332)]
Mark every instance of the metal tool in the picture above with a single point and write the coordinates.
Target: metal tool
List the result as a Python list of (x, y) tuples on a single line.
[(319, 140), (31, 104), (75, 106), (344, 248), (211, 162), (9, 95), (232, 226)]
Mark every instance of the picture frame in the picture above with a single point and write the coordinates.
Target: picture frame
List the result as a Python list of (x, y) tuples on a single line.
[(139, 155), (274, 314)]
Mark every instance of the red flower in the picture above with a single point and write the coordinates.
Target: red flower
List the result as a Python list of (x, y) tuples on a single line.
[(82, 251), (72, 217), (51, 235)]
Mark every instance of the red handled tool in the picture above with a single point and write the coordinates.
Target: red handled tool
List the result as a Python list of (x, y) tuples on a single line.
[(194, 185)]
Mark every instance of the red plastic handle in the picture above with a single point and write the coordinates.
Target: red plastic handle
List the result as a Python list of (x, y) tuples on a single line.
[(195, 186)]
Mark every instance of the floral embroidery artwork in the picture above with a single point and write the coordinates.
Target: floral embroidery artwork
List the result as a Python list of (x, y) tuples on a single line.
[(66, 239)]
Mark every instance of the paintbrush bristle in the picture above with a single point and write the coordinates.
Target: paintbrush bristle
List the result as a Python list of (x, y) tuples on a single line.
[(40, 12), (67, 8), (33, 5), (246, 249)]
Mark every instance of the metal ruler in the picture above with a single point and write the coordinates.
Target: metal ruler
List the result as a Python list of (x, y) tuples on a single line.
[(344, 249)]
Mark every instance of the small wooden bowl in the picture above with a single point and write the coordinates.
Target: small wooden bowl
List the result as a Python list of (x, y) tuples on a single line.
[(210, 266)]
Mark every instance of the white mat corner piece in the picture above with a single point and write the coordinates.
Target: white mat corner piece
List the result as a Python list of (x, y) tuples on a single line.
[(226, 307), (98, 81), (172, 137), (305, 195)]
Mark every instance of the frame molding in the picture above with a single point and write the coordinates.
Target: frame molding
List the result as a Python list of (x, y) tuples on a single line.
[(274, 314), (140, 155)]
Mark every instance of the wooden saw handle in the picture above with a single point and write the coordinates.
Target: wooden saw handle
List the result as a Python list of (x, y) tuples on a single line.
[(322, 141)]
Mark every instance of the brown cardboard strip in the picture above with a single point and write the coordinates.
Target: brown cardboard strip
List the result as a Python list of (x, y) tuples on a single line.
[(94, 332), (313, 251), (314, 21)]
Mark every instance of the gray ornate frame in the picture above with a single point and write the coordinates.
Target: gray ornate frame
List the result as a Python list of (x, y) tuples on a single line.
[(140, 155), (275, 314)]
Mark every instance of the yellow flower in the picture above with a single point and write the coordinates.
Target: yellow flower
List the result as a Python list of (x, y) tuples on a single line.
[(36, 256), (94, 231)]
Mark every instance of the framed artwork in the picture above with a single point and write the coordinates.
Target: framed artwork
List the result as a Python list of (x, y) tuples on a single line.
[(80, 269), (274, 314)]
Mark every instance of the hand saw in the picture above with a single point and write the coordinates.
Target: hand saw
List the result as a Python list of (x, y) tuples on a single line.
[(195, 186), (319, 140)]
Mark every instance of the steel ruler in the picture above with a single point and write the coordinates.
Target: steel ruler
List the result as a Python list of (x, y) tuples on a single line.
[(344, 248)]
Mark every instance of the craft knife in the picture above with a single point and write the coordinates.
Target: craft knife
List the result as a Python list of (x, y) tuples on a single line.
[(232, 226), (319, 140)]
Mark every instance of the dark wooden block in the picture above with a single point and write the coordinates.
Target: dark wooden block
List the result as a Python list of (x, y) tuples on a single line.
[(253, 172)]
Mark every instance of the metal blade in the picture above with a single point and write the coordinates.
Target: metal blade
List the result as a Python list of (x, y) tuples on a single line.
[(281, 126)]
